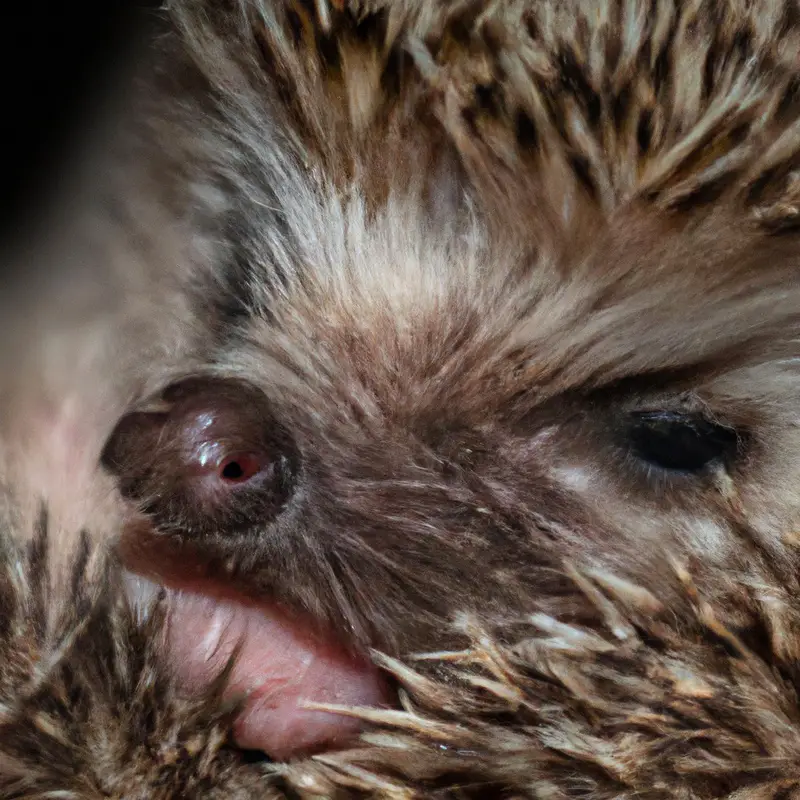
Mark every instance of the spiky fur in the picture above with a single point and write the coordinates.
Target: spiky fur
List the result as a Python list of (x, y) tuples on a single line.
[(582, 196), (642, 700), (571, 219)]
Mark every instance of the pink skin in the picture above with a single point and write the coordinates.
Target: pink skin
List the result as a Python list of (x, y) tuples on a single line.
[(281, 663), (214, 440), (280, 666)]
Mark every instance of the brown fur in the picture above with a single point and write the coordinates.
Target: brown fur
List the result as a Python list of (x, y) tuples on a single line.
[(459, 243), (641, 700)]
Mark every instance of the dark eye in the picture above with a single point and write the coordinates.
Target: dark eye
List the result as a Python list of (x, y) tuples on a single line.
[(680, 442)]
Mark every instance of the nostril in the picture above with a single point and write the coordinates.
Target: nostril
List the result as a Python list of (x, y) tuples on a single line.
[(232, 471), (240, 467)]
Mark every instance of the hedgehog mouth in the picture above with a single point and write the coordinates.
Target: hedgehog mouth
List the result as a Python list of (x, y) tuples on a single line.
[(280, 668)]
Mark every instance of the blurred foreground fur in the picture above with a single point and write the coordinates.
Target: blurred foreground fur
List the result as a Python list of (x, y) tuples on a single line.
[(626, 176), (643, 700)]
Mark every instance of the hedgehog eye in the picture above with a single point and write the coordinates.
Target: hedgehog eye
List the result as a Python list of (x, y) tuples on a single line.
[(679, 442)]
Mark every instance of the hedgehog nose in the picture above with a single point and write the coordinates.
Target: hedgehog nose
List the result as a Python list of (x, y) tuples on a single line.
[(135, 434), (133, 443), (200, 445)]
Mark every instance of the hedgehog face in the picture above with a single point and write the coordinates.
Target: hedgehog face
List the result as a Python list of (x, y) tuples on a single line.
[(415, 409), (545, 332), (412, 434)]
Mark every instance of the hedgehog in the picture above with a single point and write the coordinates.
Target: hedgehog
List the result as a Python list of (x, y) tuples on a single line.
[(641, 699), (448, 430)]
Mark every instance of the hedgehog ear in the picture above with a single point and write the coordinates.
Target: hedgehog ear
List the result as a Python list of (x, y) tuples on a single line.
[(204, 452)]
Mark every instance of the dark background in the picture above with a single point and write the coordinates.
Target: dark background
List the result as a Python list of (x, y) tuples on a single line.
[(56, 60)]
